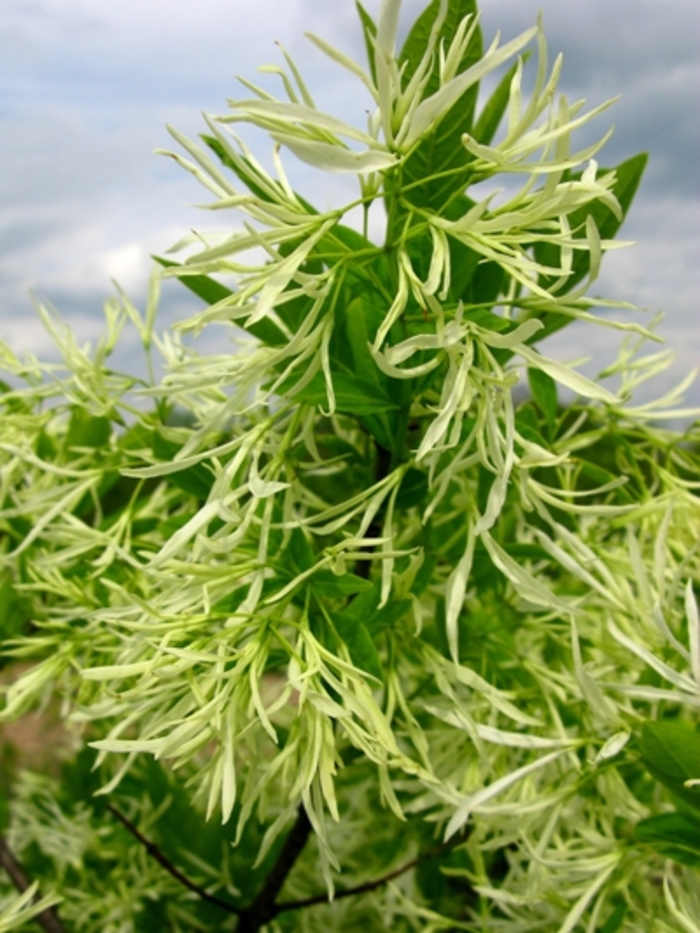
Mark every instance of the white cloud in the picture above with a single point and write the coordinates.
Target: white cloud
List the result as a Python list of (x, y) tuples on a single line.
[(86, 88), (28, 335)]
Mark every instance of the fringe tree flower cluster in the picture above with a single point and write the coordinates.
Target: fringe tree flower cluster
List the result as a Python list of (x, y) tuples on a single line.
[(360, 634)]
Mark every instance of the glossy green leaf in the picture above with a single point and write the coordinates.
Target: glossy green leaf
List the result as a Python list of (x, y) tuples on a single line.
[(46, 446), (333, 586), (203, 286), (352, 395), (417, 40), (615, 920), (474, 281), (628, 176), (441, 152), (300, 552), (673, 835), (489, 320), (544, 392), (356, 327), (671, 752), (365, 608), (14, 609), (211, 291), (490, 117), (528, 425), (137, 437), (86, 430), (413, 489), (196, 480), (360, 333), (591, 475), (369, 30), (360, 645), (245, 172), (378, 426)]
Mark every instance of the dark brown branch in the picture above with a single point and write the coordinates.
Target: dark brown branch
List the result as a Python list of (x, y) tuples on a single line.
[(263, 909), (265, 906), (155, 853), (378, 882), (47, 919)]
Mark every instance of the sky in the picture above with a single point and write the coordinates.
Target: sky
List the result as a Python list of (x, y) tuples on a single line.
[(87, 86)]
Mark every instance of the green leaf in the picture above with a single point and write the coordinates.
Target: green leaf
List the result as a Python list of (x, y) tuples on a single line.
[(528, 424), (360, 333), (247, 177), (352, 395), (211, 292), (615, 920), (204, 287), (300, 551), (474, 281), (360, 645), (14, 609), (486, 480), (489, 320), (357, 320), (417, 40), (229, 603), (492, 114), (369, 270), (85, 430), (673, 835), (379, 427), (369, 30), (196, 480), (425, 574), (413, 489), (544, 392), (464, 261), (332, 586), (671, 752), (45, 446), (364, 608), (526, 551), (137, 437), (442, 150), (591, 475)]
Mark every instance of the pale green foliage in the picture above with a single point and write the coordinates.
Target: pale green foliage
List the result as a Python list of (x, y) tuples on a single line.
[(339, 564), (21, 910)]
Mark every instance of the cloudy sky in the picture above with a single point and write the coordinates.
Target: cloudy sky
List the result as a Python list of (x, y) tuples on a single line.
[(86, 87)]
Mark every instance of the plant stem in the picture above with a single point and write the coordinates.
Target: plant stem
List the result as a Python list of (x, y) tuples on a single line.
[(264, 908), (368, 886), (155, 853), (47, 919)]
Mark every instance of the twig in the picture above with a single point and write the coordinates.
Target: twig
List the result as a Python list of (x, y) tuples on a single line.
[(263, 908), (155, 853), (378, 882), (48, 919)]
